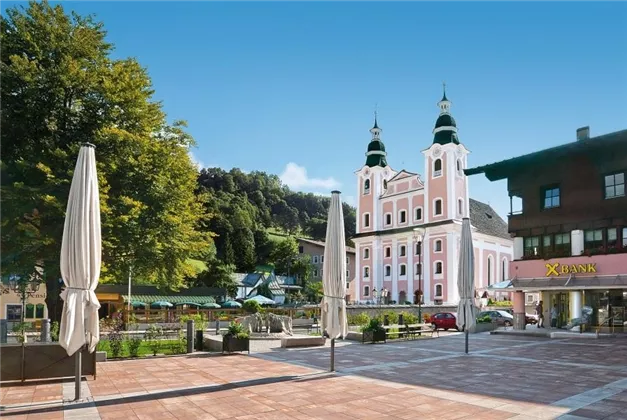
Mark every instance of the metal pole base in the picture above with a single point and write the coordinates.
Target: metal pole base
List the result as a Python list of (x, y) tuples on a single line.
[(466, 332), (77, 380), (332, 369)]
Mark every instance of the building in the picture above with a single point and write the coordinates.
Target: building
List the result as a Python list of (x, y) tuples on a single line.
[(11, 308), (315, 250), (392, 204), (249, 284), (570, 227)]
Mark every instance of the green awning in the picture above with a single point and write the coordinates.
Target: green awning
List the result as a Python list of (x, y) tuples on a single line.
[(172, 299)]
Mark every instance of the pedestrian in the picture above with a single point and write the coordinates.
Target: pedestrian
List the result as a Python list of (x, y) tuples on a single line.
[(540, 315), (554, 315)]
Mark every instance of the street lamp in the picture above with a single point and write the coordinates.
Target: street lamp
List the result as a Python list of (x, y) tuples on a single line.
[(419, 234), (25, 288)]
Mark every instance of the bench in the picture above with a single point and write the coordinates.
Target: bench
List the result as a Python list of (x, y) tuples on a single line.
[(408, 331)]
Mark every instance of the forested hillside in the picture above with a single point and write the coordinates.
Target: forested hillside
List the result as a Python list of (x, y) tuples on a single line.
[(244, 208)]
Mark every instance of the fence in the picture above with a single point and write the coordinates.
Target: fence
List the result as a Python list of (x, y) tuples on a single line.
[(172, 316)]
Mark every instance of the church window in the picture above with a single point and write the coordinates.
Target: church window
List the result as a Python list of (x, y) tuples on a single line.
[(418, 213), (388, 271), (438, 245), (366, 253), (367, 220), (438, 207), (367, 186), (438, 267), (402, 270), (402, 216), (437, 167)]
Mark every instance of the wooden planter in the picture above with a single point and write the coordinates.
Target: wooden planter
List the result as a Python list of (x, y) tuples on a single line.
[(231, 344), (373, 336)]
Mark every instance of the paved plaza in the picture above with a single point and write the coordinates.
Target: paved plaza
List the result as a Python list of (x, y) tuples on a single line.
[(503, 377)]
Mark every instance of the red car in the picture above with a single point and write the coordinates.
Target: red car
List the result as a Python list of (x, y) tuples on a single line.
[(444, 320)]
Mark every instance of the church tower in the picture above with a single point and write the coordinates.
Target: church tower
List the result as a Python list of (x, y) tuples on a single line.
[(446, 185), (371, 182)]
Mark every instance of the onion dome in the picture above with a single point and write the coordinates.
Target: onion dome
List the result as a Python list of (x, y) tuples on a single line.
[(376, 154), (445, 130)]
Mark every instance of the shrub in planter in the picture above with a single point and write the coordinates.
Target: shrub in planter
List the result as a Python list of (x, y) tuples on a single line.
[(235, 339), (251, 306), (373, 332), (359, 319)]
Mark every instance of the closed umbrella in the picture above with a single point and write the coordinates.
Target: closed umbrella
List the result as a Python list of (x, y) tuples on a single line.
[(80, 261), (333, 305), (466, 281)]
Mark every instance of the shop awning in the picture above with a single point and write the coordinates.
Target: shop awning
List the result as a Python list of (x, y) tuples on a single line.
[(571, 282), (172, 299)]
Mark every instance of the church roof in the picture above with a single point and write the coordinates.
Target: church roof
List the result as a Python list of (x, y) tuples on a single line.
[(486, 220)]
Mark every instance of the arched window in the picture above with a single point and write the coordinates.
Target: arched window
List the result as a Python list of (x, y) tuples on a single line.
[(402, 216), (388, 271), (366, 272), (438, 245), (438, 207), (366, 290), (504, 269), (438, 290), (402, 251), (366, 253), (438, 267), (418, 213), (459, 166), (489, 270), (385, 184), (437, 167), (367, 186), (367, 220), (402, 270), (388, 219), (460, 206)]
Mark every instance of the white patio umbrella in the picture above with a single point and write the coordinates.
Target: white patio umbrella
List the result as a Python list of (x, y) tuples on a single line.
[(466, 281), (333, 305), (80, 261)]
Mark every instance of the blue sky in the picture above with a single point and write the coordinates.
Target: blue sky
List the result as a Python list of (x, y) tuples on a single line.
[(276, 86)]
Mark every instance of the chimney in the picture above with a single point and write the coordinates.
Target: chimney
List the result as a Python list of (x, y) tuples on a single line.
[(583, 133)]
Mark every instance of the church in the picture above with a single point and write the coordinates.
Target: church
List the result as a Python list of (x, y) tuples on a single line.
[(409, 225)]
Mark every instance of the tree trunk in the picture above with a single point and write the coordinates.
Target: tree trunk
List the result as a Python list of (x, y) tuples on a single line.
[(53, 300)]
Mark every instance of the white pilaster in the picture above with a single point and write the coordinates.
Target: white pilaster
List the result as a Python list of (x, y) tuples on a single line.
[(395, 271), (519, 247), (575, 298), (411, 249), (426, 269), (376, 275), (576, 242), (452, 262), (358, 272), (450, 174)]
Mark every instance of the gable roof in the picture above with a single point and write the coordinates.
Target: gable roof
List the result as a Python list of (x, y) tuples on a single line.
[(321, 244), (486, 220), (252, 279), (402, 174)]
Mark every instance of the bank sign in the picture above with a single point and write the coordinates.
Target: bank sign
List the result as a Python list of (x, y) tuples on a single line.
[(557, 269)]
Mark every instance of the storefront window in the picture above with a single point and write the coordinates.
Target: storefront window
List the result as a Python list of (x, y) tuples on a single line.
[(625, 237), (14, 312), (562, 243), (30, 311), (546, 245), (612, 238), (531, 246), (593, 239), (39, 311)]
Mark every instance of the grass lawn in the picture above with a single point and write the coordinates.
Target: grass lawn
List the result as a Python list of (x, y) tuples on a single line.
[(167, 347)]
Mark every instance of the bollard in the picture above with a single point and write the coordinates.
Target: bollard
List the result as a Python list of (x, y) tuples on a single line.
[(4, 330), (199, 340), (386, 320), (190, 336), (45, 331), (217, 327), (400, 319)]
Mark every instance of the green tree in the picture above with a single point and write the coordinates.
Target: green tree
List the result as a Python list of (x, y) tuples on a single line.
[(219, 275), (60, 88), (284, 254)]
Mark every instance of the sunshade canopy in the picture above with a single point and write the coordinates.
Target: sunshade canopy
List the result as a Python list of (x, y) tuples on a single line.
[(231, 304), (262, 300), (210, 305), (161, 304)]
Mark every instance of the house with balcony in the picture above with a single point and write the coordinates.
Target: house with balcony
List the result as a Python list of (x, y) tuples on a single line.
[(568, 218)]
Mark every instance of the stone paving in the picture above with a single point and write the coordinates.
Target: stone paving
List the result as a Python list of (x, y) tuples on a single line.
[(503, 377)]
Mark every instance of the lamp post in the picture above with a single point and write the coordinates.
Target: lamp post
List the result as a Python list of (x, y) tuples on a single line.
[(419, 234), (25, 288)]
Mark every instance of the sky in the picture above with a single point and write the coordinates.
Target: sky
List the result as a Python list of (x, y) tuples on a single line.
[(290, 88)]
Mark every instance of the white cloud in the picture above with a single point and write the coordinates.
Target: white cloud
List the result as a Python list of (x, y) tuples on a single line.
[(295, 177), (199, 164)]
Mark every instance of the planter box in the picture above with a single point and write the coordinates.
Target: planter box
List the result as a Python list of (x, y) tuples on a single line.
[(484, 327), (373, 336), (231, 344)]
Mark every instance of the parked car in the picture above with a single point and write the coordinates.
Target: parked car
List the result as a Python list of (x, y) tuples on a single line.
[(531, 319), (444, 320), (500, 317)]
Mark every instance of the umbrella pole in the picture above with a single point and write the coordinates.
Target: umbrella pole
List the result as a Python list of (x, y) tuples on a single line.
[(77, 380), (466, 332), (332, 355)]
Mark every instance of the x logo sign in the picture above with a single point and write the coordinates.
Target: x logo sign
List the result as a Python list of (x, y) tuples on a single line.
[(551, 269)]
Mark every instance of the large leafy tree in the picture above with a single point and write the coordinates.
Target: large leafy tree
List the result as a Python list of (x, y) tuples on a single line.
[(60, 88)]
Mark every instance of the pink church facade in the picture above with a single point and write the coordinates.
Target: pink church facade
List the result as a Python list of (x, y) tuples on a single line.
[(409, 226)]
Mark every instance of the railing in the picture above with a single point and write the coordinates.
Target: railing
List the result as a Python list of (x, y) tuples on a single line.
[(149, 316), (606, 320)]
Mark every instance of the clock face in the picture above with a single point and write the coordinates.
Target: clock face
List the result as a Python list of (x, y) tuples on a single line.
[(367, 172), (437, 151)]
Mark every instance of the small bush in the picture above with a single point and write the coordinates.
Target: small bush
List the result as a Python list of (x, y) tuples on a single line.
[(409, 318), (116, 341), (392, 317), (54, 331), (133, 346), (236, 330), (251, 307), (153, 336), (374, 325), (200, 322), (359, 319)]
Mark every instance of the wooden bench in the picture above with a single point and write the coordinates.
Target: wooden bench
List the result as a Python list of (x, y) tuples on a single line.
[(408, 331)]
